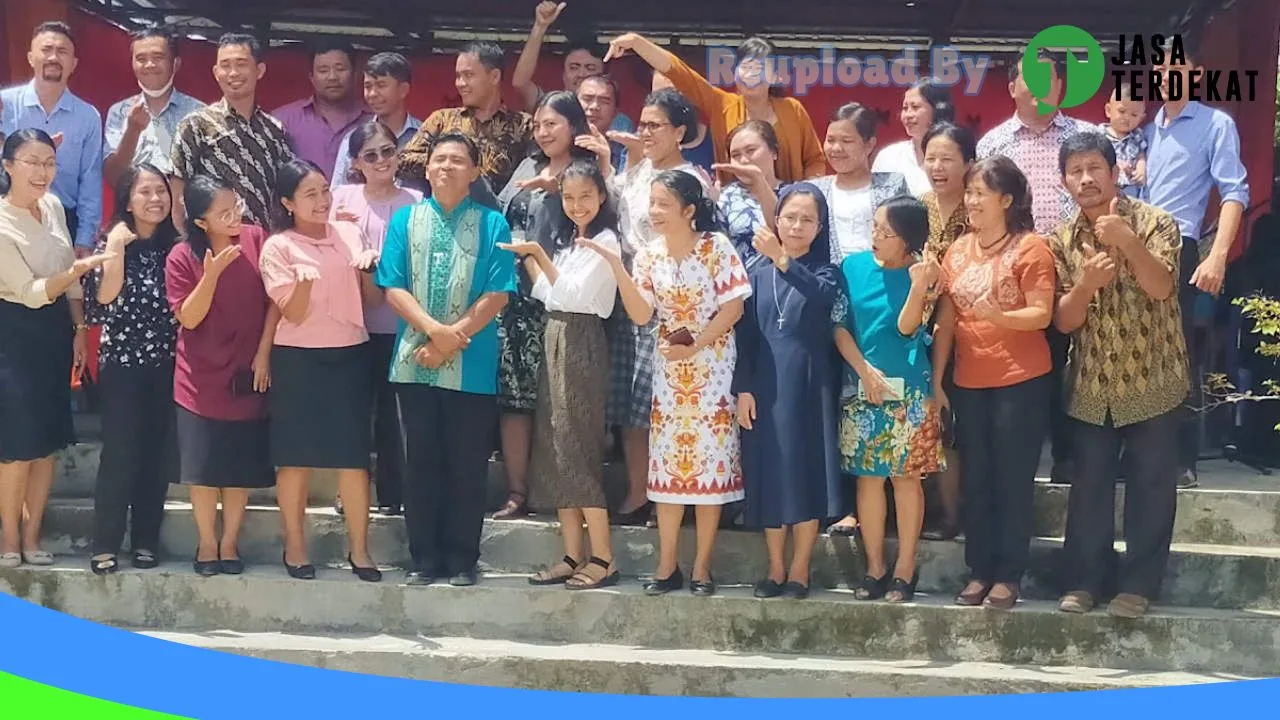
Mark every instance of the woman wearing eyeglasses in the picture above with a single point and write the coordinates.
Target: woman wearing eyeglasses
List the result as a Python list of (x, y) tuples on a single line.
[(370, 202)]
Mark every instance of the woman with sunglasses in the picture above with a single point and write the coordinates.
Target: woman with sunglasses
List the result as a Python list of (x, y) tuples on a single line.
[(369, 202)]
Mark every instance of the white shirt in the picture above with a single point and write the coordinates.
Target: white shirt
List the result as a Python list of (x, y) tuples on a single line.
[(585, 282), (900, 157), (852, 217)]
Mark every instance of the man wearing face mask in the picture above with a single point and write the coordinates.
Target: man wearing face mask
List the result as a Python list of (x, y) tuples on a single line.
[(45, 103), (141, 127), (317, 125)]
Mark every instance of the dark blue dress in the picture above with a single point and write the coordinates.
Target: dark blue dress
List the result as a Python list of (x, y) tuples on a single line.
[(790, 459)]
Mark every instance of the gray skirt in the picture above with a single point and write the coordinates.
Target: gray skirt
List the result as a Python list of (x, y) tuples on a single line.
[(573, 386)]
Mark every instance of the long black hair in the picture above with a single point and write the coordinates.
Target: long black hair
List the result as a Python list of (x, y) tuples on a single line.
[(566, 105), (938, 98), (166, 234), (1001, 175), (198, 197), (288, 178), (359, 137), (689, 191), (563, 230), (16, 142), (910, 221)]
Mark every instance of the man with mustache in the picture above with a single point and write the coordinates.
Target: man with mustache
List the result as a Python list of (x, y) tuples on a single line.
[(1117, 268), (45, 103), (317, 125), (141, 127)]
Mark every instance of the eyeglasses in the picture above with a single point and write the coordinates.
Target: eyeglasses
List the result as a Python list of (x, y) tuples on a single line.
[(385, 152), (882, 232), (646, 126), (50, 165), (230, 216)]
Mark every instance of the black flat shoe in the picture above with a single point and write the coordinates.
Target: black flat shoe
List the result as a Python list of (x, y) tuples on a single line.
[(767, 588), (418, 578), (391, 510), (638, 517), (674, 581), (367, 574), (872, 588), (795, 590), (145, 560), (106, 566), (703, 589), (299, 572), (466, 578), (206, 568), (231, 567)]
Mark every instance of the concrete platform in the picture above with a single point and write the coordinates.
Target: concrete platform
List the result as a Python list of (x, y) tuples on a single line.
[(632, 670), (1219, 576), (830, 623)]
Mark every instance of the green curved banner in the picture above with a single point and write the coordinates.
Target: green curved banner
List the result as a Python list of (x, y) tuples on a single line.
[(26, 700)]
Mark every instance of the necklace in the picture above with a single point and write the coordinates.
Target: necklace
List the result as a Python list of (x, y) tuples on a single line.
[(781, 305), (992, 246)]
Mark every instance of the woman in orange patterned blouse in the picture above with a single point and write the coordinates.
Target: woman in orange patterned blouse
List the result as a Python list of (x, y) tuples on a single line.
[(693, 282)]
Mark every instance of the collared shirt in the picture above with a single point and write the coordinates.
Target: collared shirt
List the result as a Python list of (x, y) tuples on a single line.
[(1129, 150), (584, 281), (1036, 155), (1198, 151), (335, 313), (78, 183), (155, 144), (1129, 359), (311, 135), (246, 153), (32, 251), (504, 140), (448, 261), (342, 168), (138, 328), (618, 151)]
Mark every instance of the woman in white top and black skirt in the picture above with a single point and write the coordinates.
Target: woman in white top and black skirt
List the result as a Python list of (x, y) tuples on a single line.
[(42, 339), (578, 288)]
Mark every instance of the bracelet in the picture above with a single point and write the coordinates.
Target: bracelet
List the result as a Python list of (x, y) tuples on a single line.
[(80, 327)]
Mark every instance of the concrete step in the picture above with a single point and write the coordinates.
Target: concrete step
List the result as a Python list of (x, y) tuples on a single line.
[(1233, 506), (630, 670), (830, 623), (1198, 575)]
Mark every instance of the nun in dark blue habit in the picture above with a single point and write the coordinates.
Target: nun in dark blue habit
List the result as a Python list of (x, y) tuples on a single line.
[(787, 381)]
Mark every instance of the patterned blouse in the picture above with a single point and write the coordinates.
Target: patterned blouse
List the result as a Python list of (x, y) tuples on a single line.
[(504, 141), (138, 328), (743, 215)]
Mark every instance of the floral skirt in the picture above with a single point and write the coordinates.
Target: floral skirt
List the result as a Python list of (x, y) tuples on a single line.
[(520, 333), (901, 438)]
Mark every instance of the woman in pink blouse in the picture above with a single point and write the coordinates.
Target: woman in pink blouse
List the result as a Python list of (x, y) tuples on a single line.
[(316, 272), (370, 205)]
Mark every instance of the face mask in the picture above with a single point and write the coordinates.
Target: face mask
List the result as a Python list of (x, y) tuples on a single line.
[(153, 94)]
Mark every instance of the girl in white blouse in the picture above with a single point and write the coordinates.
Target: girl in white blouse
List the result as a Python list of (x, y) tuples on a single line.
[(42, 339), (578, 288), (924, 105)]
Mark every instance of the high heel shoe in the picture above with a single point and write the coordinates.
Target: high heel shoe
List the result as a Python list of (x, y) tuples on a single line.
[(901, 591), (367, 574), (656, 586), (298, 572)]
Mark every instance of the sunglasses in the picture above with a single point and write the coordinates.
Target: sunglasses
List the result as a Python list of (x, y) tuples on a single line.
[(384, 153)]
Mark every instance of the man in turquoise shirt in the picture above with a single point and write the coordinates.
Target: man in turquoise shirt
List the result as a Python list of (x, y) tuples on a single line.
[(447, 279)]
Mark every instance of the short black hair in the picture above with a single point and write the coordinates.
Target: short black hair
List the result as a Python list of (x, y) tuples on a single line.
[(1015, 67), (958, 134), (54, 26), (328, 45), (233, 39), (156, 31), (389, 64), (489, 53), (584, 43), (445, 138), (608, 81), (1083, 143)]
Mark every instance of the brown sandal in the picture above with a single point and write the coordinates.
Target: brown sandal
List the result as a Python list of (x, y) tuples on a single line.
[(551, 577), (583, 580), (516, 507)]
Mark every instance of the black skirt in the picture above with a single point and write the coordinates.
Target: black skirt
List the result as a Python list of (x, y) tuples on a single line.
[(35, 380), (319, 405), (223, 453)]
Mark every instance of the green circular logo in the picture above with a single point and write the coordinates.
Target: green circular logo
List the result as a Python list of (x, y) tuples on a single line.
[(1083, 63)]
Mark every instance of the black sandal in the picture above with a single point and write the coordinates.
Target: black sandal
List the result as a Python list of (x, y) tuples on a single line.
[(872, 588), (546, 578), (609, 580), (145, 560), (107, 565), (901, 591)]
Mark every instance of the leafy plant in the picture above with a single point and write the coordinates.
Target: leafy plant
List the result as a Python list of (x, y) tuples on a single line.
[(1265, 314)]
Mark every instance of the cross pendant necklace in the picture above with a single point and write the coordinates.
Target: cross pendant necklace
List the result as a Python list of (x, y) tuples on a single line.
[(781, 305)]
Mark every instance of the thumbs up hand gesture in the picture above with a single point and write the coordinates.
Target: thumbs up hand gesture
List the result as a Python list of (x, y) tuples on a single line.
[(1113, 230)]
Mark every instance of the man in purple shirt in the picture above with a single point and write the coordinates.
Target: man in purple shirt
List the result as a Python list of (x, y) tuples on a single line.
[(1193, 149), (317, 125)]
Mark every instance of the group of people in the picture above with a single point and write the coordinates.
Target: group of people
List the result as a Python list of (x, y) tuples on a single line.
[(770, 320)]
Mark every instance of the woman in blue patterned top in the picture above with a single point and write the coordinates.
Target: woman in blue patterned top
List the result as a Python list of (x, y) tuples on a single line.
[(749, 202)]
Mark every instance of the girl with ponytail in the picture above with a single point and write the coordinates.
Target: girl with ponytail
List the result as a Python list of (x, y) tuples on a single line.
[(691, 284)]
